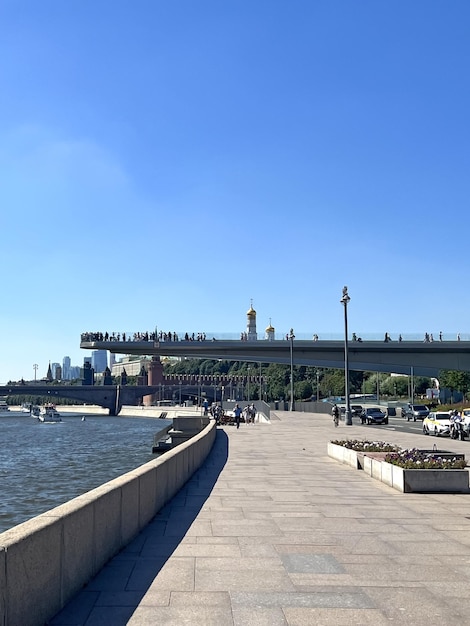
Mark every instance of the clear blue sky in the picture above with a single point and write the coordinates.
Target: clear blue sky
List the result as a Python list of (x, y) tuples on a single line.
[(162, 163)]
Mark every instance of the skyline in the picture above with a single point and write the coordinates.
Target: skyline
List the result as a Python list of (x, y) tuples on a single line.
[(163, 165)]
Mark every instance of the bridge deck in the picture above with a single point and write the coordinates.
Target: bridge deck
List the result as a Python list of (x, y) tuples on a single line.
[(399, 357)]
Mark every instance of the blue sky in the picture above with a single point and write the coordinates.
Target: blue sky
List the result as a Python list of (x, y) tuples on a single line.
[(163, 163)]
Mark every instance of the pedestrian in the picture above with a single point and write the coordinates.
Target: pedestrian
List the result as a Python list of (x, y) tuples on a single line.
[(440, 335), (252, 412), (246, 414), (237, 412), (335, 413)]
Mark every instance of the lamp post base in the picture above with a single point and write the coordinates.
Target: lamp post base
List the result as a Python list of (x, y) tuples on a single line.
[(348, 418)]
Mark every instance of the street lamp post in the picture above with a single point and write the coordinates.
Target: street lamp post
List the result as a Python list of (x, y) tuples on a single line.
[(318, 385), (181, 382), (260, 395), (344, 301), (35, 368), (291, 338), (248, 386)]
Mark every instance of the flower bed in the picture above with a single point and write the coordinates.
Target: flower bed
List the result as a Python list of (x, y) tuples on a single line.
[(362, 445), (405, 470), (424, 460)]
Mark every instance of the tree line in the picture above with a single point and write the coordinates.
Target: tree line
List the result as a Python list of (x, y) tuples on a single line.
[(310, 382)]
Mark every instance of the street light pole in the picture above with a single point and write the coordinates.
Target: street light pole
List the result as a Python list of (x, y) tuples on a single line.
[(344, 301), (260, 395), (35, 368), (291, 338), (248, 387), (318, 383)]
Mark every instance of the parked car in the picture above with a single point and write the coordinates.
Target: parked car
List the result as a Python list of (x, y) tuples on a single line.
[(356, 409), (374, 415), (415, 412), (437, 423)]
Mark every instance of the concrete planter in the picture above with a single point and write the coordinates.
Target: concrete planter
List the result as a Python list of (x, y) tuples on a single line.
[(429, 481), (403, 480), (344, 455)]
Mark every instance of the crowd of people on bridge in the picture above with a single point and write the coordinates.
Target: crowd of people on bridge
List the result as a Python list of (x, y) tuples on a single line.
[(144, 336), (172, 336)]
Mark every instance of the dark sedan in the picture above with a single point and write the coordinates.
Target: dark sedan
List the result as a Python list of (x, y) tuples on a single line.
[(374, 416)]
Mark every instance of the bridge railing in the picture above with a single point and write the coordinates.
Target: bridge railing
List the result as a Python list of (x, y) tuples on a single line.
[(326, 336)]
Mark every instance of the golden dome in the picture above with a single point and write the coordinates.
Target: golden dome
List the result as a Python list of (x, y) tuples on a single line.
[(251, 312), (270, 329)]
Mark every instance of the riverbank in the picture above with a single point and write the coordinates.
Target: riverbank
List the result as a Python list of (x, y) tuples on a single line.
[(126, 411)]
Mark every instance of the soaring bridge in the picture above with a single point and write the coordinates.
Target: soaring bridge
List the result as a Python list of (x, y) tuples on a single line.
[(111, 397), (401, 357)]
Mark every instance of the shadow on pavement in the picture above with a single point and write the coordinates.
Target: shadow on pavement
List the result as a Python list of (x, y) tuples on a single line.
[(117, 590)]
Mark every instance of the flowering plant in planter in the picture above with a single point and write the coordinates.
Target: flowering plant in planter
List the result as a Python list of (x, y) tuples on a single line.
[(366, 446), (417, 459)]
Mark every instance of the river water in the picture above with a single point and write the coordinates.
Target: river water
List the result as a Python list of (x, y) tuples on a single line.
[(44, 465)]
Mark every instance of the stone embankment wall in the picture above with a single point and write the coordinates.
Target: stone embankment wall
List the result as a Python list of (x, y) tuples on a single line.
[(45, 561)]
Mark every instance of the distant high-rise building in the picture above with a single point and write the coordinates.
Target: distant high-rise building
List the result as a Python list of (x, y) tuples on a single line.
[(74, 372), (112, 360), (99, 361), (66, 373), (54, 367)]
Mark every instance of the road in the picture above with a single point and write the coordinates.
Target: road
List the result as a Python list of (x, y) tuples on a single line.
[(394, 423)]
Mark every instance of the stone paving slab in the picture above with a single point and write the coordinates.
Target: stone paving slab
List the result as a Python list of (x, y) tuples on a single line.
[(275, 533)]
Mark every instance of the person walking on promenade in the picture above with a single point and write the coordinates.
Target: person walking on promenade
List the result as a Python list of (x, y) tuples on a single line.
[(237, 412), (335, 413), (252, 413)]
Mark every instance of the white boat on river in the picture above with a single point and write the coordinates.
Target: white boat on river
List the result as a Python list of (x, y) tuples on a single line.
[(49, 413)]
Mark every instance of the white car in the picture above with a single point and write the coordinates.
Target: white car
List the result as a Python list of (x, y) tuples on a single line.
[(437, 423)]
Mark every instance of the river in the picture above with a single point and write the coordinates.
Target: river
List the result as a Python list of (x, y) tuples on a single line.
[(44, 465)]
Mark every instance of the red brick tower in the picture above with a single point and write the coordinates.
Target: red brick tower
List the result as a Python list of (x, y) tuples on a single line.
[(155, 377)]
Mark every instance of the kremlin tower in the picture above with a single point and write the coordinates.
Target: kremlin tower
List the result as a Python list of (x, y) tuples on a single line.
[(251, 334), (270, 332)]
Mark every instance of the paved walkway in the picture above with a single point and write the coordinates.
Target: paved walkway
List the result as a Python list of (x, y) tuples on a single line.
[(271, 531)]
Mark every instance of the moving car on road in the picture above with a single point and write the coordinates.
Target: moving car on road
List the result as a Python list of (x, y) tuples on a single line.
[(437, 423), (414, 412), (356, 409), (374, 415)]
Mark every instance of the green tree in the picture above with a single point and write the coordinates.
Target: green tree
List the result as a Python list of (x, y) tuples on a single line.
[(303, 390), (332, 383), (457, 381)]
